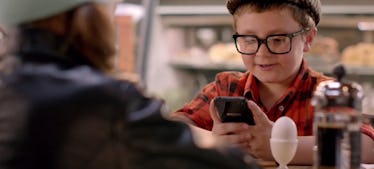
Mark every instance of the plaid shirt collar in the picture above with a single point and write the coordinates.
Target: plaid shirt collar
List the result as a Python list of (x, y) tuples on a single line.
[(251, 87)]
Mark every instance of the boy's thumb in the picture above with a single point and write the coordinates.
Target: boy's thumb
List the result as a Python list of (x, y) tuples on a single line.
[(213, 112)]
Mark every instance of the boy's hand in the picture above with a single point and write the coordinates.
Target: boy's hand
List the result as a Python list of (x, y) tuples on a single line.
[(259, 144), (229, 134), (252, 139)]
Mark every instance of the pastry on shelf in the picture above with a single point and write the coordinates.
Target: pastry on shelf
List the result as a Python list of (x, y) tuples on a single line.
[(326, 49), (224, 53), (361, 54)]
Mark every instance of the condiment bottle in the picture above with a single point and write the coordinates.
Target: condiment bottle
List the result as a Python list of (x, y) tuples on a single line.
[(337, 122)]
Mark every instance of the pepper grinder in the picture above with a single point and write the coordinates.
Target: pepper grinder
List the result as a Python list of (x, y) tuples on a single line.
[(337, 122)]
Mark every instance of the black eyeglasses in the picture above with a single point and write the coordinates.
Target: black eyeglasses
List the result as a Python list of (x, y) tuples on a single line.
[(277, 44)]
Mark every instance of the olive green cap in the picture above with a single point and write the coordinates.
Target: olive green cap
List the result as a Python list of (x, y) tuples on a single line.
[(312, 7), (14, 12)]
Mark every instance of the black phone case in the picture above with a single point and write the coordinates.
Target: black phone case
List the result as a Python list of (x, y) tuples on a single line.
[(233, 109)]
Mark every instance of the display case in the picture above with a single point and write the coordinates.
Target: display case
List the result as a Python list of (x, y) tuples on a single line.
[(195, 43), (345, 36)]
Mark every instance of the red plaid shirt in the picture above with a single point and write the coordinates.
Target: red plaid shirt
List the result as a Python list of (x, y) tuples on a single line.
[(295, 102)]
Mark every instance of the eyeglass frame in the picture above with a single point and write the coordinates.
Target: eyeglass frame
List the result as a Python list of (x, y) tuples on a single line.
[(264, 41)]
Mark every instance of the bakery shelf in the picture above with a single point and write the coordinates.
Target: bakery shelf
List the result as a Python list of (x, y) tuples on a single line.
[(211, 66), (355, 70), (221, 9), (350, 70), (205, 65), (336, 13)]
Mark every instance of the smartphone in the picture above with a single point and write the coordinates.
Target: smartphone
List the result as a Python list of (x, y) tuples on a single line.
[(233, 109)]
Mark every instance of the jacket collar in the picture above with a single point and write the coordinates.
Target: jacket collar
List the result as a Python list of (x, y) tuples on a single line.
[(42, 47)]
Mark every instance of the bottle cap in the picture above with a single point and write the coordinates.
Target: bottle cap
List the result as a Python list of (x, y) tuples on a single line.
[(338, 93)]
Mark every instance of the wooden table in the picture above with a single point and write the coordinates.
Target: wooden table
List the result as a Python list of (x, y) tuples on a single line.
[(273, 165), (291, 167)]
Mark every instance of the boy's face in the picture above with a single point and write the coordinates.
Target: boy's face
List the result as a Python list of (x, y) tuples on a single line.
[(266, 66)]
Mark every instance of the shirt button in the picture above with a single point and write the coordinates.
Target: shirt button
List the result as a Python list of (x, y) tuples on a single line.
[(280, 108)]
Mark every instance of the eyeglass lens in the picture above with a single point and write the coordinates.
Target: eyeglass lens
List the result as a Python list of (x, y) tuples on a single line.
[(276, 44)]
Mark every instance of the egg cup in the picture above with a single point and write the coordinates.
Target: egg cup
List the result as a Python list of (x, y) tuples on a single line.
[(283, 151)]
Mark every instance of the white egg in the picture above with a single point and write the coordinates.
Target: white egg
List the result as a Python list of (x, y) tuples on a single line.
[(284, 128)]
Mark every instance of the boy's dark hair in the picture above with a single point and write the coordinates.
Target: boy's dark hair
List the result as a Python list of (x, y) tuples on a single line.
[(312, 7)]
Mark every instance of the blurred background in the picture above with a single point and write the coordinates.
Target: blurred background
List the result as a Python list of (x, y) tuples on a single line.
[(174, 47)]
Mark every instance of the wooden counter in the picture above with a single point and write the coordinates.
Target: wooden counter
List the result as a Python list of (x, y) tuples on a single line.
[(273, 165)]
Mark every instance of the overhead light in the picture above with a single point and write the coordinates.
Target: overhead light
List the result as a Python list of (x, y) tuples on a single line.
[(134, 10), (365, 26)]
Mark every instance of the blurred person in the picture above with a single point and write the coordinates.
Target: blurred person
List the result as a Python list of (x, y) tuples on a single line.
[(3, 61), (272, 36), (2, 39), (59, 107)]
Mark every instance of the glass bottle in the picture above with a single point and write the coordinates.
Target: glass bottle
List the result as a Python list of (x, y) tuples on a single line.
[(337, 123)]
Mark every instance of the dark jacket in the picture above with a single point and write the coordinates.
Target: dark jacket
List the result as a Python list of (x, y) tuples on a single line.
[(56, 113)]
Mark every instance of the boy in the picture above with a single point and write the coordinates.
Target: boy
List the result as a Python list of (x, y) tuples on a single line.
[(272, 36)]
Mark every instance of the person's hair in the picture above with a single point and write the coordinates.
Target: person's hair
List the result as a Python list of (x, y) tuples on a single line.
[(87, 28), (306, 12)]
